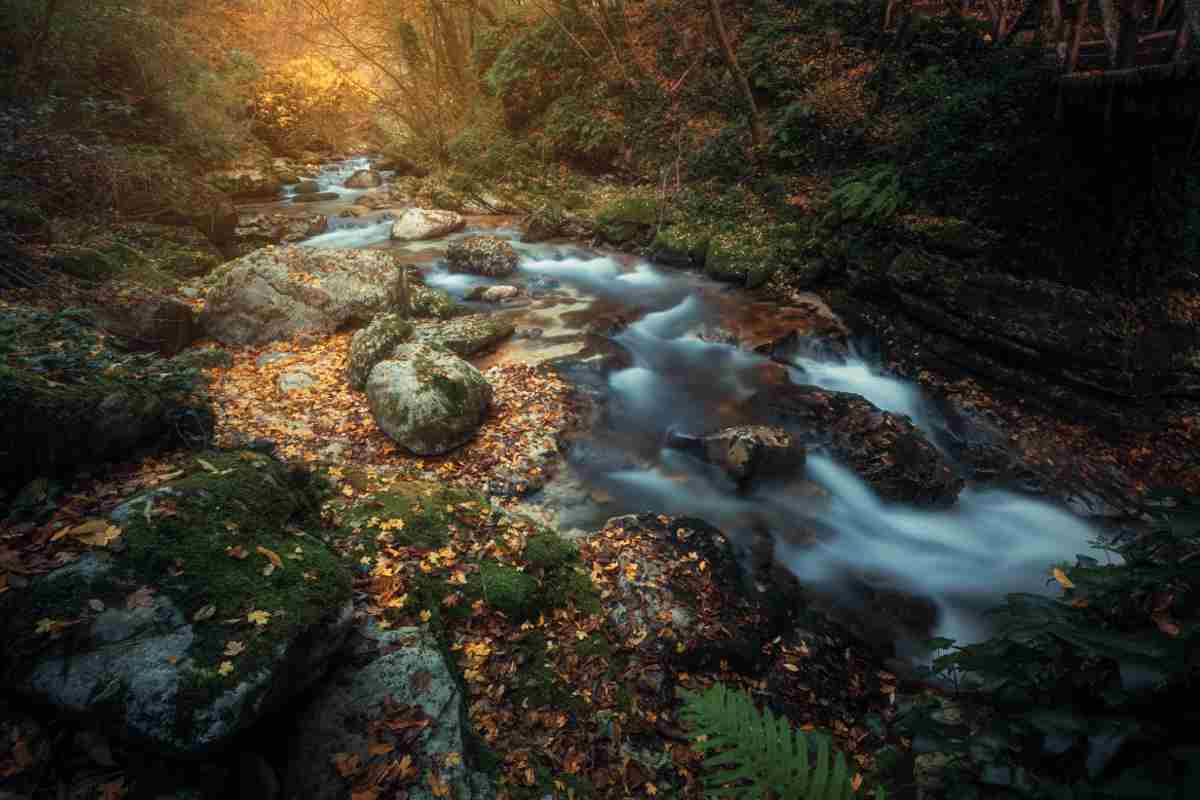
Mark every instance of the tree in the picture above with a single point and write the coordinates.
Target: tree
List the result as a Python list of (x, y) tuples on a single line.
[(757, 133)]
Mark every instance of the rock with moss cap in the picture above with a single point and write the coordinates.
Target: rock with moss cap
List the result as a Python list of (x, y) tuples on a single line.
[(373, 344), (278, 293), (482, 255), (205, 612), (404, 678), (465, 336), (422, 223), (427, 399)]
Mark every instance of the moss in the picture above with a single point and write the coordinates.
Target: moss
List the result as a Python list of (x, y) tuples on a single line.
[(740, 255), (86, 263), (684, 244), (426, 301), (508, 589), (569, 586), (629, 220), (204, 358), (546, 550), (420, 506), (22, 217)]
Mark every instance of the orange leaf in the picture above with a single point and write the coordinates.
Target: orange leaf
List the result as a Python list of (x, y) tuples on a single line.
[(271, 555), (1062, 578)]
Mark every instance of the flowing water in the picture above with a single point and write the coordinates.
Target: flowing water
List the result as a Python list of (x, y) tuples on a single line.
[(664, 371)]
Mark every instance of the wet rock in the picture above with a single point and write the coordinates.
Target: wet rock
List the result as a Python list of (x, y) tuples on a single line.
[(364, 179), (284, 292), (396, 676), (319, 197), (373, 344), (482, 255), (420, 223), (262, 229), (247, 183), (427, 399), (886, 450), (498, 294), (376, 201), (139, 663), (465, 336), (745, 452), (308, 187)]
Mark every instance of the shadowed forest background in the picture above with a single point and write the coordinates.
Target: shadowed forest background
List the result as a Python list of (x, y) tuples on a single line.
[(685, 270)]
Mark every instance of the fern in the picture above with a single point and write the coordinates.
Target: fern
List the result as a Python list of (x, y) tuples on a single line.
[(872, 195), (756, 752)]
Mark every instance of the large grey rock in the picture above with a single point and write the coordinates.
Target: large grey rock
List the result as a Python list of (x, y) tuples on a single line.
[(427, 399), (129, 668), (465, 336), (277, 293), (408, 679), (373, 344), (422, 223), (482, 255)]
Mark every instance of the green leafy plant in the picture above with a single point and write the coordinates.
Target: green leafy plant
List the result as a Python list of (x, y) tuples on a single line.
[(754, 752), (872, 195)]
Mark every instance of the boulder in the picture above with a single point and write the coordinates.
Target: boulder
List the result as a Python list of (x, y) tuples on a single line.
[(427, 399), (262, 229), (373, 344), (398, 691), (482, 255), (498, 294), (745, 452), (364, 179), (179, 250), (185, 623), (308, 187), (162, 324), (277, 293), (464, 336), (402, 167), (886, 450), (420, 223)]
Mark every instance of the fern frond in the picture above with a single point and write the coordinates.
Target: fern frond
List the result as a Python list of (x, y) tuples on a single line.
[(750, 753)]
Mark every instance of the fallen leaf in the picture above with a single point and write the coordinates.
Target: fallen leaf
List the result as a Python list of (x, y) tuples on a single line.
[(204, 613), (271, 555), (113, 790), (1062, 578), (1165, 624), (856, 781), (234, 648), (380, 748), (259, 618), (225, 668), (345, 763), (237, 551)]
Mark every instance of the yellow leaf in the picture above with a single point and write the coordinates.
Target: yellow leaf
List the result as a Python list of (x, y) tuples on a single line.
[(225, 668), (46, 625), (271, 555), (791, 667), (369, 793), (206, 465), (1062, 578), (259, 618), (426, 616)]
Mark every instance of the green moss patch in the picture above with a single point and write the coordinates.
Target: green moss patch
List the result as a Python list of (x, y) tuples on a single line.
[(683, 244), (630, 220), (411, 514)]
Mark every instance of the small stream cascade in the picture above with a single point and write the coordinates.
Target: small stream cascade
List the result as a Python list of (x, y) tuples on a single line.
[(676, 378)]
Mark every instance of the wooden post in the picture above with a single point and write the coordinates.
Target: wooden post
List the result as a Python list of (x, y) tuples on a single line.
[(1081, 13)]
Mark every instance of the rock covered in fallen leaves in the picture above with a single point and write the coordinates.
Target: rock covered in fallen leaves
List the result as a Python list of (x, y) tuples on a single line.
[(482, 255), (423, 223), (745, 452), (886, 450), (373, 344), (278, 293), (405, 708), (465, 336), (427, 399), (364, 179), (188, 613)]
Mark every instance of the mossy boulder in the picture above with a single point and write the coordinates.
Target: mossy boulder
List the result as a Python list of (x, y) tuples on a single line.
[(482, 255), (373, 344), (465, 336), (681, 245), (211, 607), (179, 250), (952, 236), (144, 253), (426, 301), (87, 263), (740, 256), (631, 220), (508, 589), (427, 399), (69, 398)]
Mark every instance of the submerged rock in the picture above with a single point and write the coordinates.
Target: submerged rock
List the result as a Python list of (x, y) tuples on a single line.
[(421, 223), (427, 399), (482, 255), (277, 293), (886, 450), (150, 655)]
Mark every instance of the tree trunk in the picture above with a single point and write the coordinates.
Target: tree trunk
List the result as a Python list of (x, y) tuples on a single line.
[(1127, 43), (757, 134)]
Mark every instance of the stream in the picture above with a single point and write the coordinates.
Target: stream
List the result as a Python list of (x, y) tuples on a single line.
[(645, 343)]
